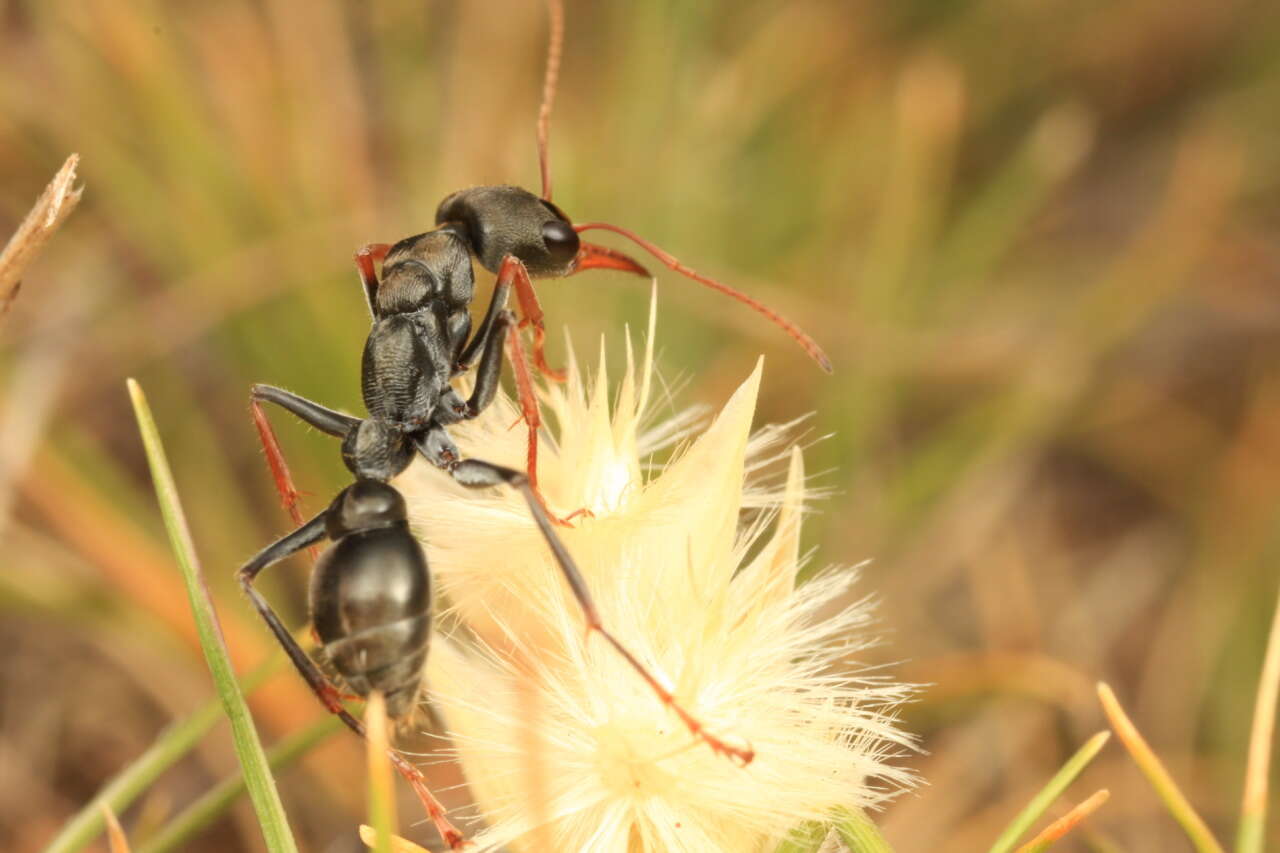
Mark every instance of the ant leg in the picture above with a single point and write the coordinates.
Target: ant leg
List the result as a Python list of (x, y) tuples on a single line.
[(318, 416), (532, 414), (475, 473), (365, 259), (489, 371), (436, 447), (323, 418), (306, 536), (479, 340), (531, 310)]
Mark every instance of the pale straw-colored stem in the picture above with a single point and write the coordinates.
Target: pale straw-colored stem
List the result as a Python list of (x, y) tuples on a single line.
[(115, 832), (50, 210), (1253, 809), (1153, 768), (382, 802)]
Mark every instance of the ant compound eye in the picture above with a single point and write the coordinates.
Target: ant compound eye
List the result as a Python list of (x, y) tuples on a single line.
[(561, 240)]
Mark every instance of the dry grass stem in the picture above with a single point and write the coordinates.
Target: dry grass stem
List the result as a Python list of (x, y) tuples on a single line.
[(382, 801), (54, 205), (1253, 809), (115, 833), (1157, 774)]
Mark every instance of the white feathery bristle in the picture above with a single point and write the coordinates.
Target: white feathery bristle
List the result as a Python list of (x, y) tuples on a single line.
[(564, 746)]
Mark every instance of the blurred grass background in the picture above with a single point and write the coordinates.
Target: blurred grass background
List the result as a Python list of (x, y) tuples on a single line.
[(1038, 239)]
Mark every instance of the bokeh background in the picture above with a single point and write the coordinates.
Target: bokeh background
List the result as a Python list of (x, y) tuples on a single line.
[(1038, 239)]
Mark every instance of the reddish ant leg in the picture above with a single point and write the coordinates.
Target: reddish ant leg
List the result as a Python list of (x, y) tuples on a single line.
[(532, 415), (530, 411), (365, 259), (324, 419), (289, 494), (532, 316), (478, 474)]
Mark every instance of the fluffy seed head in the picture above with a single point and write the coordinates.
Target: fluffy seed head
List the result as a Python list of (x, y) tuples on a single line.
[(564, 747)]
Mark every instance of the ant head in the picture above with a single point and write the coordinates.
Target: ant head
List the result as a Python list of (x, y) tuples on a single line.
[(501, 221), (364, 505)]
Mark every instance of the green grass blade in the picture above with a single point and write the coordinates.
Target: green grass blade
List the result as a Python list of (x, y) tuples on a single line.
[(170, 747), (253, 761), (806, 838), (1050, 792), (855, 830), (208, 808), (860, 833)]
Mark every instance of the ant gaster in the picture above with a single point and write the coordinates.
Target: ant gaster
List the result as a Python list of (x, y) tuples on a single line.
[(370, 591)]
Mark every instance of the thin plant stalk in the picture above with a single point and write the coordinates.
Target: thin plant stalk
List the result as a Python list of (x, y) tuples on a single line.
[(1253, 809), (1151, 766), (54, 205), (1060, 827), (1050, 792), (170, 747), (188, 823), (116, 840), (253, 760), (382, 806)]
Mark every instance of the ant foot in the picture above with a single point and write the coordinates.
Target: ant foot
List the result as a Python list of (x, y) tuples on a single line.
[(331, 698), (559, 520), (567, 520), (551, 373), (741, 753), (583, 512), (456, 841)]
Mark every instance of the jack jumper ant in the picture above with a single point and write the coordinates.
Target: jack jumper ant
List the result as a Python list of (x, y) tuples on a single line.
[(370, 590)]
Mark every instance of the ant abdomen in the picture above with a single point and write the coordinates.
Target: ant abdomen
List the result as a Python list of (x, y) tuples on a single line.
[(371, 608)]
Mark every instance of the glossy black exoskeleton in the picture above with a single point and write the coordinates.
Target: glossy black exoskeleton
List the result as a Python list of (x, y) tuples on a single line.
[(371, 596)]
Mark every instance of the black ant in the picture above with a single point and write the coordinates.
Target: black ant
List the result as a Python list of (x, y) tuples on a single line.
[(370, 591)]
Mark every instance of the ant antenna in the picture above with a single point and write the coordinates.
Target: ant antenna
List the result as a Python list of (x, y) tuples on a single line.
[(555, 46), (809, 345)]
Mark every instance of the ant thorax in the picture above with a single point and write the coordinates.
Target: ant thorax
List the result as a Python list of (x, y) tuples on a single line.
[(428, 269)]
